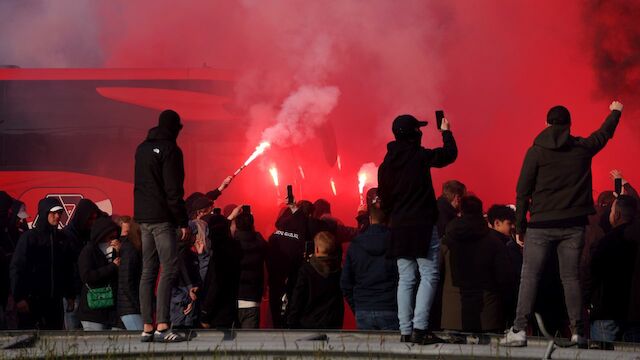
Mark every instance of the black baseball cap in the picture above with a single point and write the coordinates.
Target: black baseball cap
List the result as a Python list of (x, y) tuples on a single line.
[(406, 124)]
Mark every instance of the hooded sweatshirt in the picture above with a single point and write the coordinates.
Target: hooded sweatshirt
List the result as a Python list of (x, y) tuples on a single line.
[(476, 274), (159, 177), (39, 266), (78, 234), (317, 300), (406, 190), (555, 183), (96, 271), (369, 279)]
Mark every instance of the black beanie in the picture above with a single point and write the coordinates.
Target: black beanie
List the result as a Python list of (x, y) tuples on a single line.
[(102, 227), (558, 115), (170, 120)]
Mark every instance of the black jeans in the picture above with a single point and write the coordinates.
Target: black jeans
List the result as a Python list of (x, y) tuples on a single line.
[(568, 242), (249, 318), (159, 248)]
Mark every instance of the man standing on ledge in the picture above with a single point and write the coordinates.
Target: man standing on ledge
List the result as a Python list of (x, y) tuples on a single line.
[(408, 198), (160, 210), (555, 188)]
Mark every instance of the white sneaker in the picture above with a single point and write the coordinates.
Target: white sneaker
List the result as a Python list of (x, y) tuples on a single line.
[(514, 339)]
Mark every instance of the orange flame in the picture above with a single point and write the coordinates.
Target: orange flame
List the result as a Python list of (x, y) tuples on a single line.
[(333, 187)]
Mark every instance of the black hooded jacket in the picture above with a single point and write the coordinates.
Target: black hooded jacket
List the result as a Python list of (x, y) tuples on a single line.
[(609, 283), (555, 180), (159, 176), (406, 190), (369, 279), (252, 262), (476, 276), (317, 301), (40, 267), (129, 274), (96, 271), (78, 235)]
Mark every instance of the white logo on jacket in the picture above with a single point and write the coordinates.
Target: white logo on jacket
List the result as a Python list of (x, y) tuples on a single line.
[(156, 150)]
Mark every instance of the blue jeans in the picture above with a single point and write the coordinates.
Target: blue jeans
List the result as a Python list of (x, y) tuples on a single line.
[(377, 320), (605, 330), (71, 321), (132, 322), (413, 309), (94, 326)]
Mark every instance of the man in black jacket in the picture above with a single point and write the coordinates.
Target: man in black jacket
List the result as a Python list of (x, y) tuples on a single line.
[(41, 272), (78, 232), (159, 208), (609, 283), (555, 188), (406, 190), (369, 279), (253, 252)]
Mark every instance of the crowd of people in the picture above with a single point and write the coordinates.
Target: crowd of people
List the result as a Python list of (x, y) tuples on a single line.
[(413, 264)]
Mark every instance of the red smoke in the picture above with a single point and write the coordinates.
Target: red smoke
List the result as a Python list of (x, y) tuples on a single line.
[(494, 66)]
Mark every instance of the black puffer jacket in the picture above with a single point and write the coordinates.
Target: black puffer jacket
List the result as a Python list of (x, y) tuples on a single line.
[(40, 267), (555, 180), (159, 176), (254, 250), (96, 272), (406, 190), (129, 275)]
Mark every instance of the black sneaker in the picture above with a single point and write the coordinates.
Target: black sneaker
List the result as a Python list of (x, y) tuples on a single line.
[(405, 338), (146, 337), (432, 338), (168, 336), (418, 336)]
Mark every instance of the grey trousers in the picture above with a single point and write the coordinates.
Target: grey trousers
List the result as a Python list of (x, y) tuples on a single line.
[(568, 242), (159, 249)]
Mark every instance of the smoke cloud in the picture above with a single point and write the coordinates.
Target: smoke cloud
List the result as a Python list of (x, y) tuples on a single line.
[(302, 112)]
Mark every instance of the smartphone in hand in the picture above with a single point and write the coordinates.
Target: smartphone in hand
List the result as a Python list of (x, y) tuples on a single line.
[(439, 117), (617, 185), (290, 198)]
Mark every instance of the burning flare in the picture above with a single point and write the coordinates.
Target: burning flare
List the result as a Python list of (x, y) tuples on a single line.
[(274, 174), (333, 187), (301, 171), (339, 163), (362, 181), (260, 149)]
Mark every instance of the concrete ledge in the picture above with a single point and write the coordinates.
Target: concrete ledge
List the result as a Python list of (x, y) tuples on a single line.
[(272, 344)]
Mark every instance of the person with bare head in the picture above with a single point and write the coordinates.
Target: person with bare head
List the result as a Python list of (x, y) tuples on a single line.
[(369, 278), (317, 301), (609, 285), (449, 203), (555, 187)]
